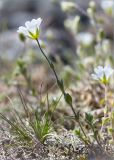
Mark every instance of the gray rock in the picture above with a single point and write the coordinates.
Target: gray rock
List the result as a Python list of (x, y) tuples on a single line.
[(19, 18), (15, 12), (11, 47)]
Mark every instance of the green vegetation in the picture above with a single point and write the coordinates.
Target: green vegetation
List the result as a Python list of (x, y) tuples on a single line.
[(75, 107)]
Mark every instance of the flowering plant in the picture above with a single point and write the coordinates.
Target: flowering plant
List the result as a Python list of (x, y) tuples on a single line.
[(102, 74), (31, 29)]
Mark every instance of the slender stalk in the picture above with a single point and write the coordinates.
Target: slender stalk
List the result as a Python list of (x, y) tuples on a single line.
[(112, 125), (82, 129), (96, 137), (106, 106), (49, 62), (78, 120), (106, 102), (62, 90)]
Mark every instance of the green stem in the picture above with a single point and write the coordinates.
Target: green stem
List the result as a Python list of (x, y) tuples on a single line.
[(82, 129), (112, 125), (106, 107), (96, 137), (62, 90), (49, 62), (106, 103)]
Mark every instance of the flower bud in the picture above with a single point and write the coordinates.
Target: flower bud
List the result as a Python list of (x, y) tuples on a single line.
[(92, 5), (106, 46), (22, 37), (101, 34), (73, 24), (68, 6), (90, 13)]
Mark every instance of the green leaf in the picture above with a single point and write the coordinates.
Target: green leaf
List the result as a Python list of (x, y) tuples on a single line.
[(105, 120), (68, 98), (61, 85), (51, 65), (22, 37), (77, 115), (89, 118), (78, 132), (110, 130)]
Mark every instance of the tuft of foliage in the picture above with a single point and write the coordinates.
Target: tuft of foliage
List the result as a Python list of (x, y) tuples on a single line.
[(35, 125)]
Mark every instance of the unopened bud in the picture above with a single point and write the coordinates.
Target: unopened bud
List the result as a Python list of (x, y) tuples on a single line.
[(101, 34), (22, 37), (68, 6), (92, 5), (90, 13)]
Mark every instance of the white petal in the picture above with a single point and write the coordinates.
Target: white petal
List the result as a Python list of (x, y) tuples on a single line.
[(108, 71), (27, 24), (99, 69), (22, 30), (39, 21), (100, 75), (94, 76), (34, 21), (107, 4), (32, 29)]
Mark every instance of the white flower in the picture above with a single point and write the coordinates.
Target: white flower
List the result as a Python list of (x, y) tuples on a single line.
[(108, 5), (31, 28), (102, 74), (73, 24), (85, 38)]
